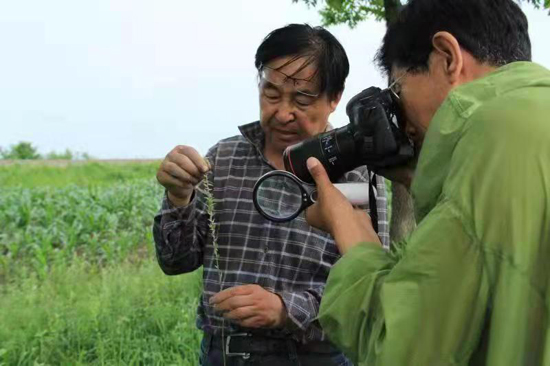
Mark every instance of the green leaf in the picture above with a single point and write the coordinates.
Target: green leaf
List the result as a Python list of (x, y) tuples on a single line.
[(336, 4), (352, 12)]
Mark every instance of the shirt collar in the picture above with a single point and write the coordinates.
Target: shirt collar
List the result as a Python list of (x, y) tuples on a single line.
[(254, 134)]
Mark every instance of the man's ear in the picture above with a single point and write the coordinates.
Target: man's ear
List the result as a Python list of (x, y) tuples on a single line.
[(335, 101), (447, 50)]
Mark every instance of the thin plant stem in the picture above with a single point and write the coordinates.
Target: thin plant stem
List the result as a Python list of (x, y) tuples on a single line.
[(210, 207)]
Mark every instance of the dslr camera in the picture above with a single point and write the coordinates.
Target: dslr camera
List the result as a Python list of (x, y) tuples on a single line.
[(374, 137)]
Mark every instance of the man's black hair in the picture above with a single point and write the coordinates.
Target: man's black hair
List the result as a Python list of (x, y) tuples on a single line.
[(317, 45), (495, 32)]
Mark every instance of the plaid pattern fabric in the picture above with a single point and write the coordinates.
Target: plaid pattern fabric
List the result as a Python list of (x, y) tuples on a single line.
[(290, 259)]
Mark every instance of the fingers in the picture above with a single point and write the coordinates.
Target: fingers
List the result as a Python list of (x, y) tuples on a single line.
[(234, 302), (175, 179), (250, 306), (241, 313), (254, 322), (183, 164), (188, 160), (182, 174), (318, 173), (194, 157), (230, 292), (168, 180)]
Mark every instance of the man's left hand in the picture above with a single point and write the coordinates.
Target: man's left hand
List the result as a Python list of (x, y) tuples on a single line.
[(251, 306)]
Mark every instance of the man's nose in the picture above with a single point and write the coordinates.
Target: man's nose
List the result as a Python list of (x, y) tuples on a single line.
[(285, 112)]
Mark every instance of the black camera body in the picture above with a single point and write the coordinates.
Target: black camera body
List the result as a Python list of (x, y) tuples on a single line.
[(374, 137)]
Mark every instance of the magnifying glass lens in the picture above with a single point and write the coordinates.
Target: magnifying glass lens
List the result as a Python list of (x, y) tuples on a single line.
[(279, 196)]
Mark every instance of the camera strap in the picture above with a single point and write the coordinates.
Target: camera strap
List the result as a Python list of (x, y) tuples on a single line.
[(372, 202)]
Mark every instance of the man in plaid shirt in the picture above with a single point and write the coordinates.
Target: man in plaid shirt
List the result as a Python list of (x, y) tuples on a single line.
[(273, 273)]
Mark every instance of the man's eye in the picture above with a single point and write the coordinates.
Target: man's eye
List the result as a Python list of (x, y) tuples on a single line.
[(271, 94), (304, 101)]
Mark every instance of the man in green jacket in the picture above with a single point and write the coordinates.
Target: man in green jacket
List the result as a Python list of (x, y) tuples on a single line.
[(471, 284)]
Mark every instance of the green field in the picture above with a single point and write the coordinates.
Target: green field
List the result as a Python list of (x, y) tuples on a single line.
[(79, 282)]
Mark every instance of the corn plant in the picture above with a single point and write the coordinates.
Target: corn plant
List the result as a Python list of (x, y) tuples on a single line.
[(79, 283)]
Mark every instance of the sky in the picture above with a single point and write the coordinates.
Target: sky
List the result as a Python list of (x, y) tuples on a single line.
[(134, 78)]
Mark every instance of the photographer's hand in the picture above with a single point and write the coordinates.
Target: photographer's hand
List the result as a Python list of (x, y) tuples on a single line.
[(333, 213)]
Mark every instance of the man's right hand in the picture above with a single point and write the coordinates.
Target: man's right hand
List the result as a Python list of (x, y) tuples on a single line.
[(180, 171), (334, 214)]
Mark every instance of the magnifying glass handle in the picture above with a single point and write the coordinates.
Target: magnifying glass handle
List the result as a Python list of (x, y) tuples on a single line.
[(356, 193)]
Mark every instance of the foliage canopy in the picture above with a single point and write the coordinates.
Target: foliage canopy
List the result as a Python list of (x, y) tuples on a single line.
[(352, 12)]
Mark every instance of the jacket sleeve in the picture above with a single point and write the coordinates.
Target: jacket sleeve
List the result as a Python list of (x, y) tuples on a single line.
[(425, 308), (180, 233)]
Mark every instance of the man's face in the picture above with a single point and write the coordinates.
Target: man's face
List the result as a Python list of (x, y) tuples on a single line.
[(421, 94), (291, 107)]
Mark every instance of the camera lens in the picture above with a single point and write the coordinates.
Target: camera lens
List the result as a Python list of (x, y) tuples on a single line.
[(335, 149)]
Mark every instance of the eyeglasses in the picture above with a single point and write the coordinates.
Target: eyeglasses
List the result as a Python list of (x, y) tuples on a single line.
[(395, 93), (395, 87), (278, 78)]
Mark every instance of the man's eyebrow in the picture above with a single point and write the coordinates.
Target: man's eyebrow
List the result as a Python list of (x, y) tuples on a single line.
[(269, 84), (307, 91), (308, 80)]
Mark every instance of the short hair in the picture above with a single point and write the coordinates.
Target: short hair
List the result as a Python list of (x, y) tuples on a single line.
[(495, 32), (317, 45)]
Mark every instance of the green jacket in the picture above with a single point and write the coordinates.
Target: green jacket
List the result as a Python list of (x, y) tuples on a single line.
[(471, 286)]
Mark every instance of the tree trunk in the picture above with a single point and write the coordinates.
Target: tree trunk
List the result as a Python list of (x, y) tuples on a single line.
[(402, 213)]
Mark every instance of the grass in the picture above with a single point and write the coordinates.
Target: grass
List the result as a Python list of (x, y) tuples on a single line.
[(79, 282), (129, 314), (81, 174)]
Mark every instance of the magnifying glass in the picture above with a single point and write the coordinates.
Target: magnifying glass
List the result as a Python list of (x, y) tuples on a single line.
[(280, 196)]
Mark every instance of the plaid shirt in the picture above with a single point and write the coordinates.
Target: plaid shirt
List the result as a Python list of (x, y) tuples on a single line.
[(290, 259)]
